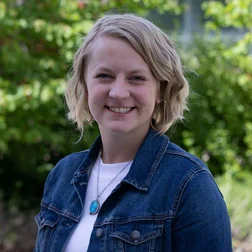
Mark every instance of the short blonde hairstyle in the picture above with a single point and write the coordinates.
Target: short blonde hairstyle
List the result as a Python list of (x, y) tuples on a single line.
[(158, 52)]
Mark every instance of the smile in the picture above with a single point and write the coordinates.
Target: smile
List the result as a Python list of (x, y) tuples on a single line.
[(120, 110)]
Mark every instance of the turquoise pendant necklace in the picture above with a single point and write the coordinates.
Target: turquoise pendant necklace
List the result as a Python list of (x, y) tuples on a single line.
[(94, 207), (95, 204)]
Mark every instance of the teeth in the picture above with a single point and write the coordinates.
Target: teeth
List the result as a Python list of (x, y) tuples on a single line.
[(120, 110)]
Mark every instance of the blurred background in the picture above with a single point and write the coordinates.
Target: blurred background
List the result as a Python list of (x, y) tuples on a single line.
[(38, 40)]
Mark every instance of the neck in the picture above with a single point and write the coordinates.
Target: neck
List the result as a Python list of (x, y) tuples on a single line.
[(120, 148)]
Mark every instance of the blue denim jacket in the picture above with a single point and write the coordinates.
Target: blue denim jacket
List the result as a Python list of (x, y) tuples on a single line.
[(167, 202)]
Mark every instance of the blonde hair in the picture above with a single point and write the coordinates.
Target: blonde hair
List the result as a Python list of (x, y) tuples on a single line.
[(158, 52)]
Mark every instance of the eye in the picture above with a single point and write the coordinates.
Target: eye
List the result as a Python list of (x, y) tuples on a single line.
[(103, 76), (137, 78)]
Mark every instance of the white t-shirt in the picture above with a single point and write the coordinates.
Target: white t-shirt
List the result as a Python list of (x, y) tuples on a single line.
[(79, 240)]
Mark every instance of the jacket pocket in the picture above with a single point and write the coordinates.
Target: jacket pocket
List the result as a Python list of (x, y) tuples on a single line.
[(47, 221), (138, 236)]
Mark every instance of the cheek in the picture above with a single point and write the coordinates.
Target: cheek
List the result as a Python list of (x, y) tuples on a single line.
[(154, 97), (149, 104), (96, 96), (146, 97)]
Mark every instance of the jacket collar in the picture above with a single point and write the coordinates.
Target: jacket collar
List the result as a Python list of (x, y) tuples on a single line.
[(147, 160), (144, 164)]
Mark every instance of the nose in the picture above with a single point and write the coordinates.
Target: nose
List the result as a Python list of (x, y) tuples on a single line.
[(119, 89)]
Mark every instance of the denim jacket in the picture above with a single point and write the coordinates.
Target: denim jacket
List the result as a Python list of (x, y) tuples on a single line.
[(167, 202)]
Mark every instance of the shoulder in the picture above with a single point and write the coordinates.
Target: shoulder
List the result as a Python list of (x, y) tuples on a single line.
[(74, 159), (173, 164), (58, 181), (189, 172), (67, 166), (180, 168), (185, 178), (182, 163), (176, 152)]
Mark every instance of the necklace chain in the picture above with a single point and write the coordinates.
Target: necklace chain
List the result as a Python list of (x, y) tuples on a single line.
[(95, 204), (98, 178)]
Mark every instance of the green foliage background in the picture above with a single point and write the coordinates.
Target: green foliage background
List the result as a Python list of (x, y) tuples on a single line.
[(220, 121), (37, 42)]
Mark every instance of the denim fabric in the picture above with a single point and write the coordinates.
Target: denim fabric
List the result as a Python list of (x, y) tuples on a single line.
[(167, 202)]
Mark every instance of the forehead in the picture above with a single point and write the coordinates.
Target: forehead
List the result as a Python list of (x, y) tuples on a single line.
[(109, 44), (113, 50)]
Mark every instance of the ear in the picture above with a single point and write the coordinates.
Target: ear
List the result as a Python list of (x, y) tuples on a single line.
[(158, 98)]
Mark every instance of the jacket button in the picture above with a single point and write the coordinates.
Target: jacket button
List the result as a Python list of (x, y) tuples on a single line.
[(135, 235), (99, 232)]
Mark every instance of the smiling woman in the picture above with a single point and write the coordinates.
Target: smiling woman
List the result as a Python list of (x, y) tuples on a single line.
[(122, 92), (133, 190)]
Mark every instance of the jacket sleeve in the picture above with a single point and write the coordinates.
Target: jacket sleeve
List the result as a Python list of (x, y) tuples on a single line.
[(202, 222)]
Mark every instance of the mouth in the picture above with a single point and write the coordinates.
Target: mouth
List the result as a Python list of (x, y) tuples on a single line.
[(120, 110)]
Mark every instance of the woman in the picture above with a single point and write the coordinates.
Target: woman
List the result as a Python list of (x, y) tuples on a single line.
[(133, 190)]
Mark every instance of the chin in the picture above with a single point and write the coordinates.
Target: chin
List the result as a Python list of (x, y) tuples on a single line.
[(119, 131)]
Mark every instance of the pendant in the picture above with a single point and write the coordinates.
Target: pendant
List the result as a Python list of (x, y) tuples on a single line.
[(94, 207)]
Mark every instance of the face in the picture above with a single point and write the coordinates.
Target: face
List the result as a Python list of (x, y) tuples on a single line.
[(121, 89)]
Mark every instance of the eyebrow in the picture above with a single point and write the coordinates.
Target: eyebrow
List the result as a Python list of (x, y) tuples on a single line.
[(102, 69), (139, 71), (135, 71)]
